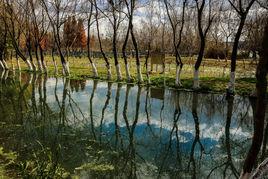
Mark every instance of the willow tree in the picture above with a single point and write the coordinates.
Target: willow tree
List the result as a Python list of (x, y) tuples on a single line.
[(176, 22), (242, 8)]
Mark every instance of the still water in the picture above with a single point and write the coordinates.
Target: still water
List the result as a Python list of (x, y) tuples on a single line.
[(95, 129)]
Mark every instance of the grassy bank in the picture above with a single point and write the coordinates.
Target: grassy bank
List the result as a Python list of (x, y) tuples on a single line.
[(214, 74)]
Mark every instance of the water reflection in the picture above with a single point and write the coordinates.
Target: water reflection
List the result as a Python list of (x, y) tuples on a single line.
[(97, 129)]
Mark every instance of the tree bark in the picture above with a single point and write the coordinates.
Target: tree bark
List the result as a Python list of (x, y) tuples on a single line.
[(94, 69), (138, 65), (109, 73), (42, 58), (261, 88), (125, 55), (202, 36), (231, 85), (40, 68)]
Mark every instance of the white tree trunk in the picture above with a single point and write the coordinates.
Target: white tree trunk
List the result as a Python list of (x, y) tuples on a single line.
[(231, 84), (196, 79), (118, 72), (66, 68), (18, 65), (94, 70), (127, 72), (148, 76), (2, 65), (12, 64), (2, 74), (44, 66), (109, 71), (29, 65), (63, 71), (139, 75), (13, 74), (6, 74), (55, 67), (40, 68), (34, 66), (178, 76), (5, 64), (19, 76)]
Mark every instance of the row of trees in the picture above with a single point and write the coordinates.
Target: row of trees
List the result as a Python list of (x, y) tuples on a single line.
[(179, 27)]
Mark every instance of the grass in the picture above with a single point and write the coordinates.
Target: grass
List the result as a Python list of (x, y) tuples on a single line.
[(214, 74)]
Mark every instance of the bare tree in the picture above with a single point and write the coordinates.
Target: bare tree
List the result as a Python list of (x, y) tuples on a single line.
[(227, 27), (115, 17), (124, 48), (148, 34), (175, 22), (89, 24), (40, 27), (131, 4), (29, 32), (242, 8), (203, 31), (14, 19), (56, 12), (3, 45), (108, 66), (261, 88)]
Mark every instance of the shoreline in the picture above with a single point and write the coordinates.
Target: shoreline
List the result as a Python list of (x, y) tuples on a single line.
[(215, 85)]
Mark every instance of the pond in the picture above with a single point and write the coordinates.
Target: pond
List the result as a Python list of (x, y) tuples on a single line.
[(96, 129)]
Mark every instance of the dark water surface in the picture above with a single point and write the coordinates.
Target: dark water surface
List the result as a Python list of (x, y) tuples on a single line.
[(96, 129)]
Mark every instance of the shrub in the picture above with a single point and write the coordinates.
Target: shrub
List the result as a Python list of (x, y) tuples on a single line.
[(215, 53)]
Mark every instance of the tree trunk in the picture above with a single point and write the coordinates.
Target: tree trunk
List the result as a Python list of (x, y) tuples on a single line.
[(40, 68), (139, 74), (178, 75), (94, 69), (29, 65), (54, 62), (18, 62), (125, 55), (109, 72), (65, 65), (2, 65), (198, 62), (231, 85), (5, 64), (146, 62), (261, 88), (42, 58), (117, 65), (29, 48)]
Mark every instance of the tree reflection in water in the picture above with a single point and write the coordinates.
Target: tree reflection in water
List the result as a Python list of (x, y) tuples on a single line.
[(196, 139), (124, 128)]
